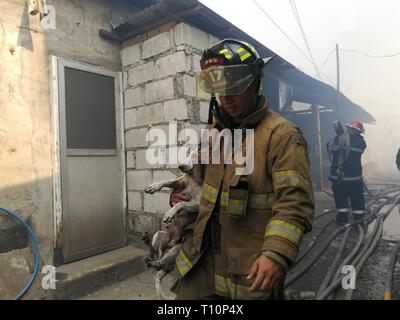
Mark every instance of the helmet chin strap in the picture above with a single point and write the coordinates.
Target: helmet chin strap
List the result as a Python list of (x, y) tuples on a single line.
[(225, 118), (213, 106)]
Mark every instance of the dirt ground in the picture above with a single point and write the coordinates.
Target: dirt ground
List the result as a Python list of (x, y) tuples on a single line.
[(369, 285)]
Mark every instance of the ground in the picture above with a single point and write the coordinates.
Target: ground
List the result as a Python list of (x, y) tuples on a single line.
[(369, 285), (140, 287), (121, 274)]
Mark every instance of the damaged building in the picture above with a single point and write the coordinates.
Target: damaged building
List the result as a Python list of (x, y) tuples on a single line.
[(81, 85)]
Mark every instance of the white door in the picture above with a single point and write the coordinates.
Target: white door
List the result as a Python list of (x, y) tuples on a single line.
[(92, 175)]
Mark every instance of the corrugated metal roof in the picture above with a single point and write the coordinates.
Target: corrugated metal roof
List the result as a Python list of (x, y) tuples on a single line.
[(306, 88)]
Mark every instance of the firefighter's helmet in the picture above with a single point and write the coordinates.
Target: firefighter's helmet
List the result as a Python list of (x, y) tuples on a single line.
[(228, 68), (356, 124)]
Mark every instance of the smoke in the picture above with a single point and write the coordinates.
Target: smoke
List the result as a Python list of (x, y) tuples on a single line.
[(383, 142)]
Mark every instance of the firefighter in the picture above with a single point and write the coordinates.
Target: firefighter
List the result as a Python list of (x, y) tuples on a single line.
[(345, 152), (250, 226), (398, 160)]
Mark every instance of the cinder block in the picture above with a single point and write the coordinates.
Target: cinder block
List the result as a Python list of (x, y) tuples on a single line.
[(141, 74), (163, 175), (138, 180), (156, 45), (125, 80), (150, 114), (130, 55), (197, 128), (144, 159), (172, 64), (130, 118), (196, 62), (136, 138), (203, 111), (186, 34), (159, 90), (135, 201), (189, 86), (175, 110), (144, 223), (156, 203), (130, 160), (134, 97), (164, 131), (172, 157)]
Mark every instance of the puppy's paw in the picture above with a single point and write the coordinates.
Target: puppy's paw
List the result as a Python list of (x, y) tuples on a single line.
[(168, 216), (153, 188), (148, 261)]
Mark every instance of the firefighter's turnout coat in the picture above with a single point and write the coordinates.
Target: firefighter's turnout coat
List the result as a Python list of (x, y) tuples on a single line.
[(268, 210)]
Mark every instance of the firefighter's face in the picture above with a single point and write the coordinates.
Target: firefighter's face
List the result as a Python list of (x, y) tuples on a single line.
[(241, 105)]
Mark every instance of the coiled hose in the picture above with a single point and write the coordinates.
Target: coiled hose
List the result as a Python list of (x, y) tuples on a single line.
[(35, 250), (389, 276), (367, 250)]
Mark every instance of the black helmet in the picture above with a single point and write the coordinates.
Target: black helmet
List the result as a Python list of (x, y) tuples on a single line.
[(228, 68), (230, 52)]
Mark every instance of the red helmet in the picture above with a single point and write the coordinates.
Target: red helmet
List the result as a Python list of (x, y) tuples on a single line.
[(356, 124)]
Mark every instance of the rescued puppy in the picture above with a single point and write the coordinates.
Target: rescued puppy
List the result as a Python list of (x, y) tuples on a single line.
[(165, 245)]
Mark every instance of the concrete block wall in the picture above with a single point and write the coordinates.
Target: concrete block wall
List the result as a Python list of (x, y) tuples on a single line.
[(159, 86)]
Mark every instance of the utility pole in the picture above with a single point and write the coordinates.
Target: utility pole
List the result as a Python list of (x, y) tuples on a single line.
[(319, 164), (338, 78)]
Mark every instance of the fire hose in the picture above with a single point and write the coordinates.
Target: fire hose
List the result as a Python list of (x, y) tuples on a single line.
[(35, 250), (367, 250)]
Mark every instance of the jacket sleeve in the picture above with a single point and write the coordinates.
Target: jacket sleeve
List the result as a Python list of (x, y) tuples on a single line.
[(293, 208), (398, 158)]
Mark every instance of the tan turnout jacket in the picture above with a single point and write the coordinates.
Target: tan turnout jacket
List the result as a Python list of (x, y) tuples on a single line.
[(273, 214)]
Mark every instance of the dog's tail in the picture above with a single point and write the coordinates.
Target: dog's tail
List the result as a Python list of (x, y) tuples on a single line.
[(164, 294)]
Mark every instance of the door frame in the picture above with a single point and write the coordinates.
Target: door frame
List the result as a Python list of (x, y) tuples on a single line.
[(59, 152)]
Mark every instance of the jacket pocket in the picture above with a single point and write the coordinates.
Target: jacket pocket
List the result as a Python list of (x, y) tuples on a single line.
[(240, 260), (238, 196)]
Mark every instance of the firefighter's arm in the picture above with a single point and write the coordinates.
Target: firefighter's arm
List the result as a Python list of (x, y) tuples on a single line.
[(293, 208)]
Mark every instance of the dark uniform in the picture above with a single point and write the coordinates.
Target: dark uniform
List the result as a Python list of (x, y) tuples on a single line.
[(346, 175)]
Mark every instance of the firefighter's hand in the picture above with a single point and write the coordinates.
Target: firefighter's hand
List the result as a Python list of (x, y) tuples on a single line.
[(266, 272)]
